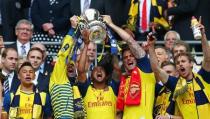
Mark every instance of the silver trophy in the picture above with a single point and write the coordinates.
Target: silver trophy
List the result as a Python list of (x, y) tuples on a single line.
[(92, 20)]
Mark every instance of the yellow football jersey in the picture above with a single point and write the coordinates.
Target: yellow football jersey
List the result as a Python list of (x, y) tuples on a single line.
[(26, 105), (145, 109), (100, 104)]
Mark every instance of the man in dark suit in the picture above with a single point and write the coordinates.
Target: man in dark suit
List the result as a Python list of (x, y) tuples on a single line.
[(183, 12), (35, 57), (50, 17), (9, 62), (24, 32), (144, 17), (12, 11), (201, 10)]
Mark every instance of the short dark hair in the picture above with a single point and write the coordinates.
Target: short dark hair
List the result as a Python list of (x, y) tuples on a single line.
[(6, 50), (160, 46), (166, 63), (36, 49), (107, 63), (26, 63), (125, 48)]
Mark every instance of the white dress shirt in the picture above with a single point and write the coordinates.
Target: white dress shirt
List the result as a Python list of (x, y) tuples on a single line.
[(35, 81), (19, 48), (82, 4), (149, 2)]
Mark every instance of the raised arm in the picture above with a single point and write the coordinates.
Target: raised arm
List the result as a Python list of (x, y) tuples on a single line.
[(133, 45), (159, 73), (58, 75), (83, 57), (206, 49)]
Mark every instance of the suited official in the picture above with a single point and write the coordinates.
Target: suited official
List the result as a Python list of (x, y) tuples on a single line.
[(201, 10), (55, 13), (9, 62), (46, 67), (35, 57), (183, 12), (143, 13), (24, 32)]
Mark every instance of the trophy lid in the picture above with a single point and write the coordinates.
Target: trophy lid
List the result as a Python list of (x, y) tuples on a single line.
[(91, 15)]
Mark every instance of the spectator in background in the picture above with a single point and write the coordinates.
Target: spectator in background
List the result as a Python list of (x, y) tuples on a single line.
[(35, 57), (46, 67), (162, 54), (51, 22), (9, 63), (183, 12), (170, 38), (180, 47), (24, 32), (12, 11), (201, 10), (145, 14)]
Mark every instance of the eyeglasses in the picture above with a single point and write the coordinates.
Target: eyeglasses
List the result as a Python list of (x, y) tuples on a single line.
[(170, 39), (24, 29)]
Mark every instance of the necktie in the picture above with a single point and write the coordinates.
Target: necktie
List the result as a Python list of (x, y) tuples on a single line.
[(86, 5), (23, 50), (144, 16), (6, 85)]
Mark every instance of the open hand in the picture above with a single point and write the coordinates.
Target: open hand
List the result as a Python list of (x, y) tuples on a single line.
[(74, 21)]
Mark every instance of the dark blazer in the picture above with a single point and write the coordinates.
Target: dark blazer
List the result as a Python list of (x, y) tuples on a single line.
[(12, 12), (183, 13), (58, 14), (14, 45), (15, 83), (48, 68), (43, 82), (203, 7)]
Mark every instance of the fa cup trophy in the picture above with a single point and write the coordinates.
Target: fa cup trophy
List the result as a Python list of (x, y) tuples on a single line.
[(92, 20)]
